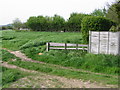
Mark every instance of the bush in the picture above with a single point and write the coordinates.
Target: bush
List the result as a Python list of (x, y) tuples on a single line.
[(74, 22), (115, 28), (94, 23)]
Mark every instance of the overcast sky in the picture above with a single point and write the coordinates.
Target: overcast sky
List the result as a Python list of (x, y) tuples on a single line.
[(23, 9)]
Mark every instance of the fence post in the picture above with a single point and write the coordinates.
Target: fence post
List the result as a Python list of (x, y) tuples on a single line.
[(65, 46), (76, 46), (89, 46), (48, 45)]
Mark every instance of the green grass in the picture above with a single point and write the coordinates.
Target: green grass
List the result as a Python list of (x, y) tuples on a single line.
[(19, 39), (32, 43), (78, 59), (14, 75), (66, 73), (6, 56), (11, 75)]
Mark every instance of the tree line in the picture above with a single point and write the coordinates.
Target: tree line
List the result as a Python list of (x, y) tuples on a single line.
[(58, 23)]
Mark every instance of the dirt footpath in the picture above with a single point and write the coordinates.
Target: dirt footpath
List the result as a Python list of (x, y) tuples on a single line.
[(42, 80)]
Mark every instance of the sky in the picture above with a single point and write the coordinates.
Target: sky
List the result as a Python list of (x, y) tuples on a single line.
[(23, 9)]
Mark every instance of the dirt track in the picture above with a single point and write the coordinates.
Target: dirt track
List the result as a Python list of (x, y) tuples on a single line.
[(47, 80)]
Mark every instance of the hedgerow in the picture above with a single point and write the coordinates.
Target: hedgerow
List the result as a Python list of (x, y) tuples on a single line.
[(94, 23)]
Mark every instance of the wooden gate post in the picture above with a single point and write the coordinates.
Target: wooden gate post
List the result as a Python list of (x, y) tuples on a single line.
[(48, 45)]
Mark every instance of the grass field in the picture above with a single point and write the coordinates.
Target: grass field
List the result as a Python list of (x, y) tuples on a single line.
[(32, 43), (20, 40), (12, 75)]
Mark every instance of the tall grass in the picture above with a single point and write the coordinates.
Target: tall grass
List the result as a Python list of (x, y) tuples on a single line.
[(32, 43), (101, 63), (11, 75), (6, 56), (66, 73), (19, 39)]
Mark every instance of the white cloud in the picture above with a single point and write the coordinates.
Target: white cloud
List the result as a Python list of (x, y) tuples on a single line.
[(23, 9)]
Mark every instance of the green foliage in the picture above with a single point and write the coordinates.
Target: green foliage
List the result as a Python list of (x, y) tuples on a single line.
[(6, 56), (99, 12), (41, 23), (17, 24), (113, 12), (94, 23), (65, 72), (78, 59), (11, 75), (32, 43), (3, 28), (115, 28), (102, 63), (8, 37), (22, 40), (74, 22), (58, 23)]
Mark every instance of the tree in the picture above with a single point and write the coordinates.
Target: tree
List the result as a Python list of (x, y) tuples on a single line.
[(114, 12), (17, 24), (74, 22), (58, 23), (37, 23), (99, 12), (94, 23)]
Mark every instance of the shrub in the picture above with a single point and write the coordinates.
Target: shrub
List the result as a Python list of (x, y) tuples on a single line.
[(115, 28), (94, 23)]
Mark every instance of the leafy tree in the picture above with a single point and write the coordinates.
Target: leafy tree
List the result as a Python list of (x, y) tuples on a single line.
[(94, 23), (49, 26), (74, 22), (31, 23), (99, 12), (114, 12), (58, 23), (3, 27), (17, 24)]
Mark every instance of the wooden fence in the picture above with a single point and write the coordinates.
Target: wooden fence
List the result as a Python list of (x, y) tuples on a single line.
[(66, 46)]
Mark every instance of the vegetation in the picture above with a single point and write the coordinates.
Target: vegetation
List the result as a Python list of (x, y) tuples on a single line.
[(22, 39), (56, 23), (74, 22), (99, 12), (77, 59), (17, 24), (6, 56), (113, 13), (94, 23), (14, 74), (6, 27), (11, 75), (32, 43), (64, 72)]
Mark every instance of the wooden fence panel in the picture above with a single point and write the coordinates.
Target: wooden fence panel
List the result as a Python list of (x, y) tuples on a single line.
[(65, 46), (104, 42)]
